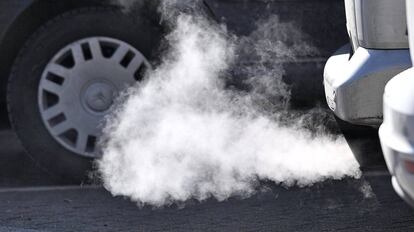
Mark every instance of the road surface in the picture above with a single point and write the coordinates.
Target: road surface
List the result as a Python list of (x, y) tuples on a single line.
[(31, 201)]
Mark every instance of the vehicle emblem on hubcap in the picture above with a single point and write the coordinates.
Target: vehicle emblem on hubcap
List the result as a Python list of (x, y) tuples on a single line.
[(99, 96)]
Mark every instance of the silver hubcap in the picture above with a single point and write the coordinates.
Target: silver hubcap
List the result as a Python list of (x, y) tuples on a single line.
[(78, 88)]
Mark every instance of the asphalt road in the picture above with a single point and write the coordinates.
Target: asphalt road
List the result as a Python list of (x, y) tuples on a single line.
[(32, 201)]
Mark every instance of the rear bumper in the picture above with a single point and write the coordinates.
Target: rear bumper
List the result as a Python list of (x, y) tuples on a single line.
[(354, 86), (397, 133), (407, 198), (395, 155)]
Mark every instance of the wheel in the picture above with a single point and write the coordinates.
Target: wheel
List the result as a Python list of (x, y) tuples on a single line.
[(364, 143), (64, 82)]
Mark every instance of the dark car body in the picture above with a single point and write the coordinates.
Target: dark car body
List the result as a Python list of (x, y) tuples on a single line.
[(322, 21), (285, 39)]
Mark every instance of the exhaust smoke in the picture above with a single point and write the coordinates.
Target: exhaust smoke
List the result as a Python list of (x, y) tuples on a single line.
[(184, 133)]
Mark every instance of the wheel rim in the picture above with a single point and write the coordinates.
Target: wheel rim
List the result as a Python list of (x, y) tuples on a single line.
[(79, 85)]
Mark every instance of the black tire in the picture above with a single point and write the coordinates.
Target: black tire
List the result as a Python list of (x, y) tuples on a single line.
[(28, 67), (364, 143)]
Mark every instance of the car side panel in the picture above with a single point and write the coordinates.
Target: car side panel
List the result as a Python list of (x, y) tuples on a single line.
[(9, 11), (322, 21)]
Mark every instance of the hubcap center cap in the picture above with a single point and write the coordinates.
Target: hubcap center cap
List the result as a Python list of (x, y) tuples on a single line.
[(99, 96)]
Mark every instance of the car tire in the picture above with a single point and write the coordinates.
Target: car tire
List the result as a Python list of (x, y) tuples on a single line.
[(28, 68), (364, 144)]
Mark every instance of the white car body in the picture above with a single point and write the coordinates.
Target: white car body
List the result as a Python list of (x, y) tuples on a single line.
[(397, 131), (355, 76)]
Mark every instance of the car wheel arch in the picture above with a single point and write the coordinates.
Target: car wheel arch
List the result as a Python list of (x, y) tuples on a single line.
[(28, 20)]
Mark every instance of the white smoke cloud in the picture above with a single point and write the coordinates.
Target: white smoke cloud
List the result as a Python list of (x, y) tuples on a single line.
[(182, 135)]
